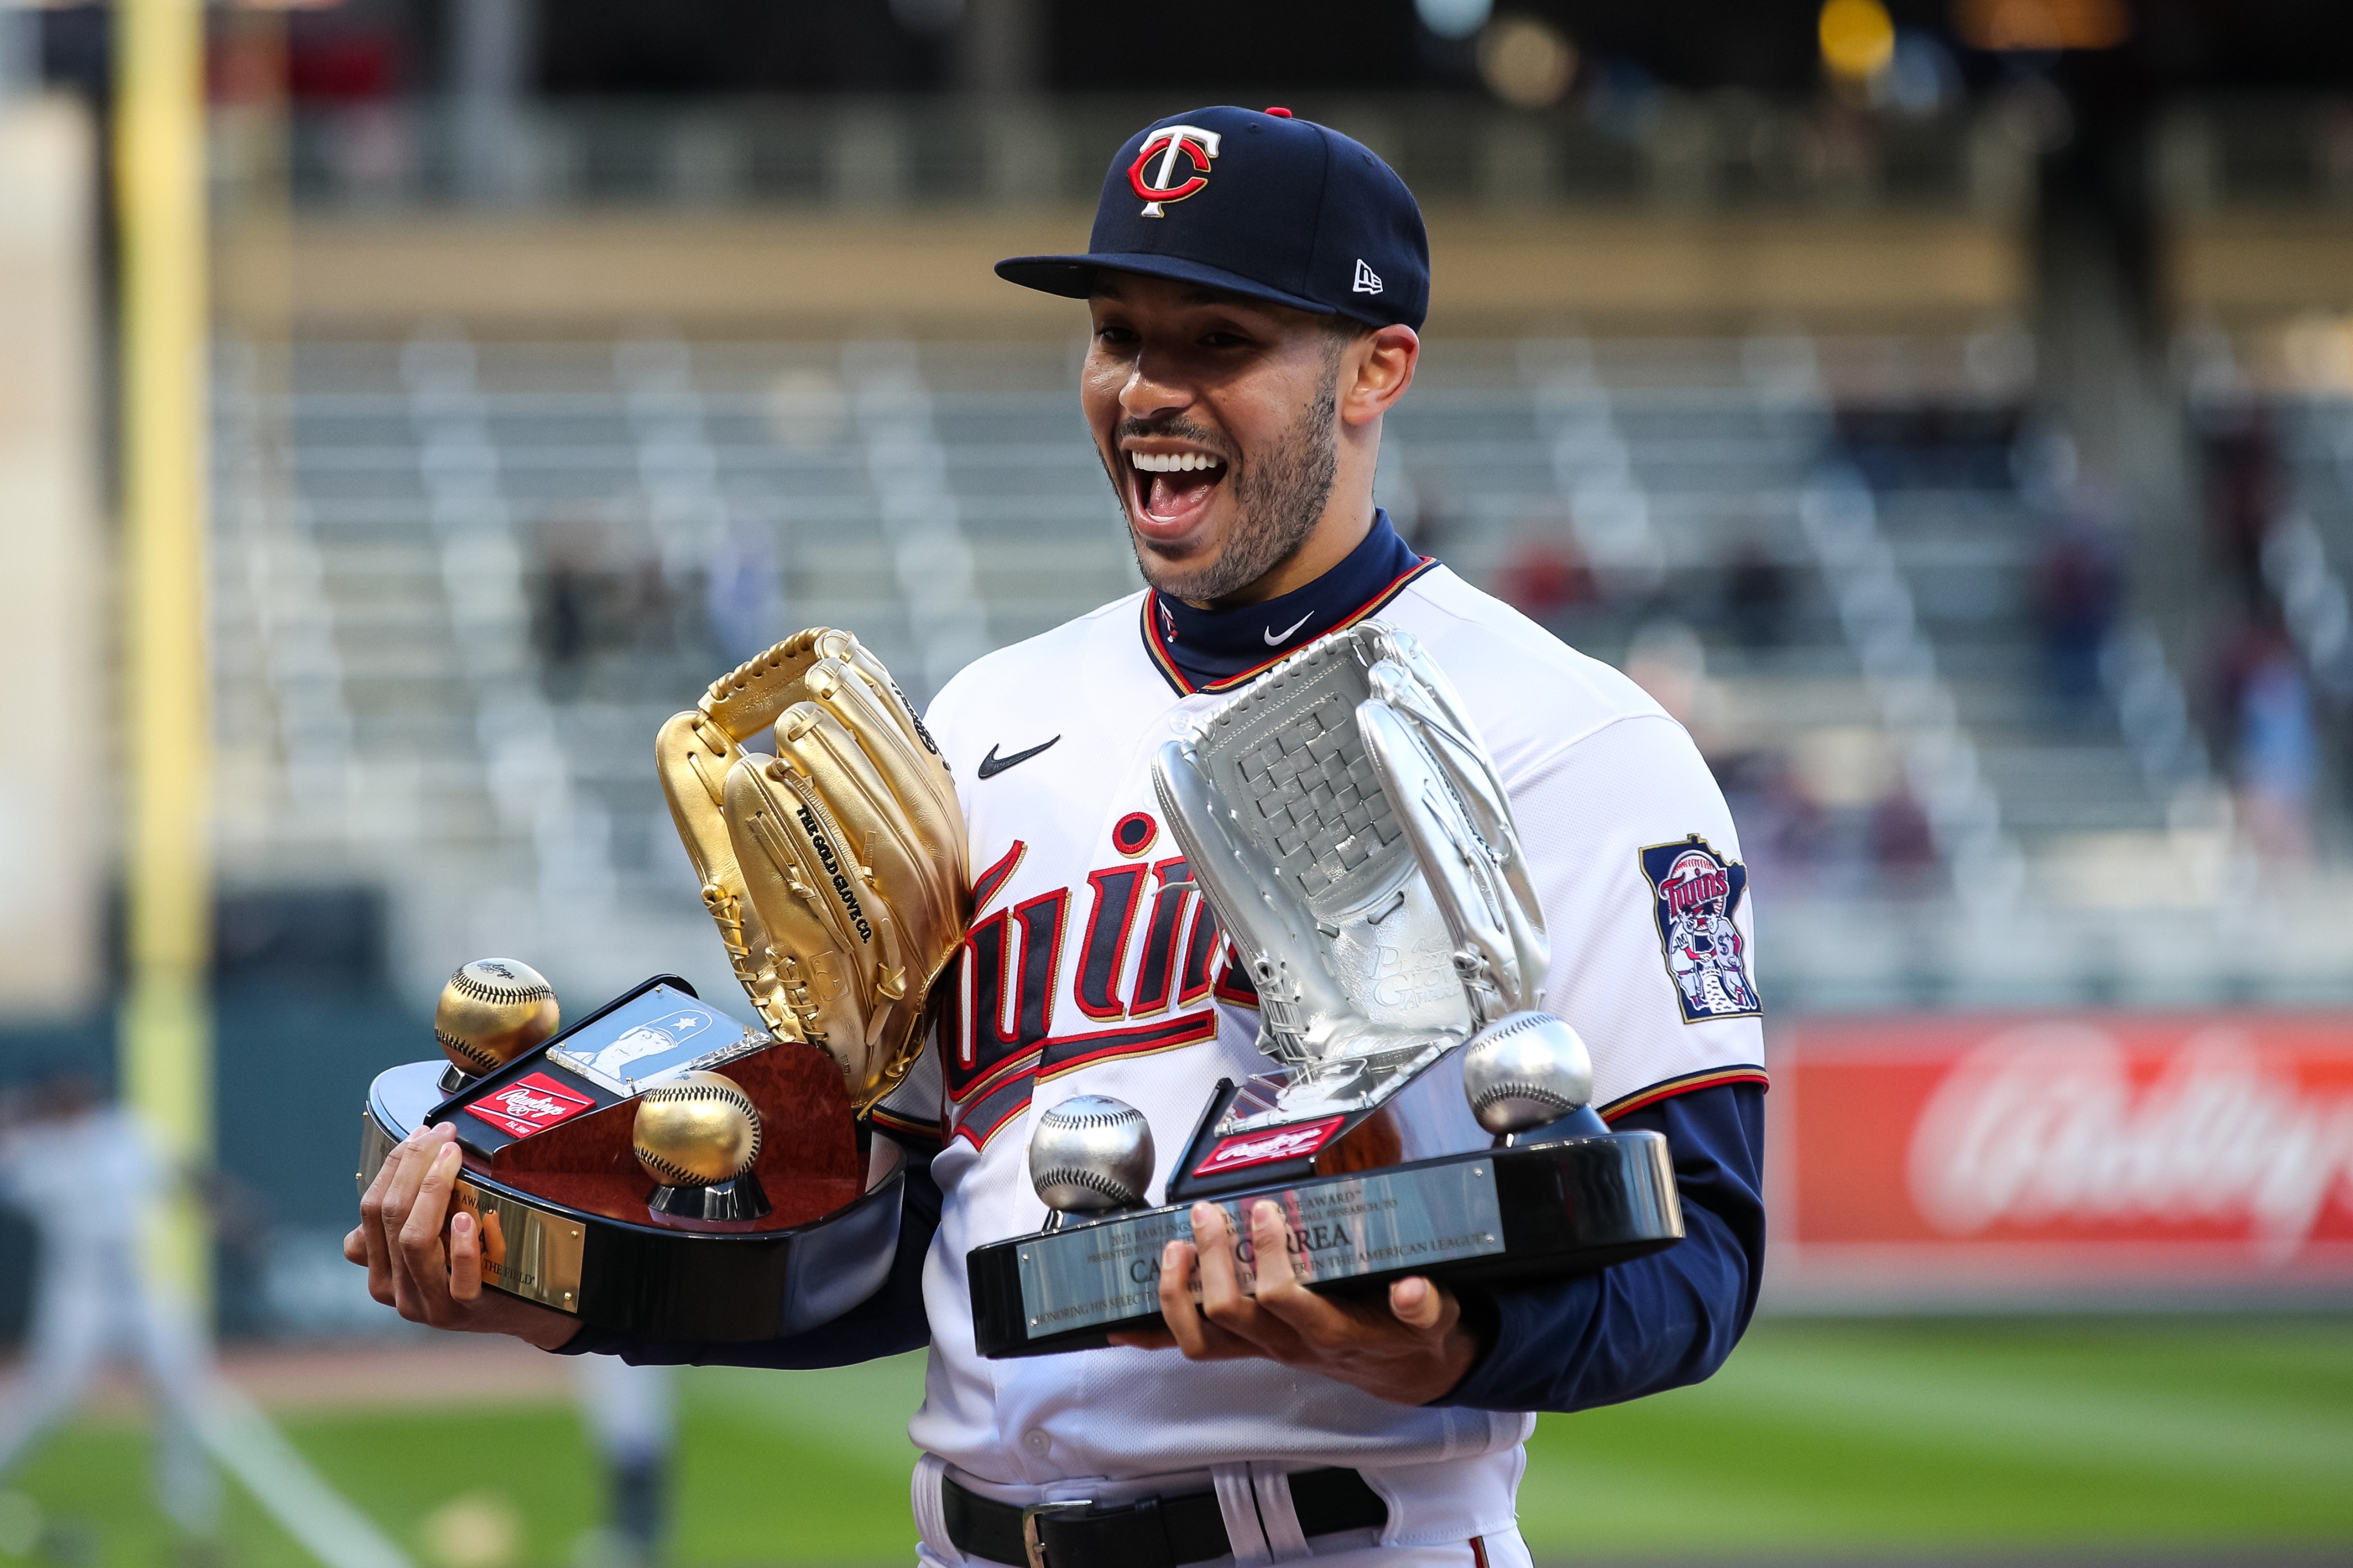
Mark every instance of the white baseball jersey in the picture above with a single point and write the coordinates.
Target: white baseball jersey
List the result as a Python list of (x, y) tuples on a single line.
[(1086, 973)]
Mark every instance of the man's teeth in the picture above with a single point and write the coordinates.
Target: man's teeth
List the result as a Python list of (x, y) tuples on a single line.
[(1173, 462)]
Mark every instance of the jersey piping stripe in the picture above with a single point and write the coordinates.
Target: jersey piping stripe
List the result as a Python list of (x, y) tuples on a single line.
[(1012, 1066), (1667, 1089), (905, 1126), (1090, 1049), (986, 886), (986, 1116), (1161, 661)]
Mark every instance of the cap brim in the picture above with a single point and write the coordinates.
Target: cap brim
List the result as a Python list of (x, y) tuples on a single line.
[(1073, 277)]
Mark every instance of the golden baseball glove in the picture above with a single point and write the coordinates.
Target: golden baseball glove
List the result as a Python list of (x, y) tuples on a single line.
[(836, 869)]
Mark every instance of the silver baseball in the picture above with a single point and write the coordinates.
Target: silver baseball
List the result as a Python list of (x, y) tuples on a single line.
[(1090, 1155), (1524, 1071)]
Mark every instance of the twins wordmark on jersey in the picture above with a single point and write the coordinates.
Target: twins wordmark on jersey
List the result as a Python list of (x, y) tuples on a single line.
[(1025, 1002), (1127, 964)]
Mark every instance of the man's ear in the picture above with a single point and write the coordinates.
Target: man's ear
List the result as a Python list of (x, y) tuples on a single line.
[(1378, 368)]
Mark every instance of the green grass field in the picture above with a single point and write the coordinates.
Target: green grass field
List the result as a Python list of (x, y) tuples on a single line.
[(1819, 1439)]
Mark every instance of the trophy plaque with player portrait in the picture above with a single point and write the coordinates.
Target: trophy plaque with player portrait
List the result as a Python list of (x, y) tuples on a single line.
[(663, 1168), (1422, 1115)]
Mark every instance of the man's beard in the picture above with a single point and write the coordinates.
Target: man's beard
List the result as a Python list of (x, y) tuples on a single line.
[(1277, 504)]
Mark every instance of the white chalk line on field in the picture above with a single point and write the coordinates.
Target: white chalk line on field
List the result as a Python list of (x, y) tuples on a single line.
[(319, 1518)]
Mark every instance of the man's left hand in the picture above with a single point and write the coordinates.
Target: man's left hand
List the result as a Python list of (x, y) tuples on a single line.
[(1409, 1349)]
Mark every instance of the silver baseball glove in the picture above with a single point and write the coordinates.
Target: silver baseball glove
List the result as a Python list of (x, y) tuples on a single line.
[(1342, 818)]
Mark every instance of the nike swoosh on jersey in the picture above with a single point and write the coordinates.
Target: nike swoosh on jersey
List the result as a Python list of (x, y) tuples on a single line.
[(992, 764), (1277, 638)]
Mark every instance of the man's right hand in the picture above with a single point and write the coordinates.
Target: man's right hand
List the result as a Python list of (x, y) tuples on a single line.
[(398, 1242)]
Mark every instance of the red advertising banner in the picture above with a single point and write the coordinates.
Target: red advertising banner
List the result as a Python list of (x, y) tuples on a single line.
[(2118, 1157)]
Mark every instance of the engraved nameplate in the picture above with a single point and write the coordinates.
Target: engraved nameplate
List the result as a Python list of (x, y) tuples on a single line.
[(526, 1251), (1388, 1221)]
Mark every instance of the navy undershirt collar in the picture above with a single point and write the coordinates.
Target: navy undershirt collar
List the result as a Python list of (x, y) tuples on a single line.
[(1203, 650)]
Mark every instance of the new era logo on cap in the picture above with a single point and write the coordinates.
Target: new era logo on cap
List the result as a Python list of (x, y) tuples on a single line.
[(1368, 280)]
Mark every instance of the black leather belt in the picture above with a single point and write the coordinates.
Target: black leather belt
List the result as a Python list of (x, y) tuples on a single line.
[(1145, 1532)]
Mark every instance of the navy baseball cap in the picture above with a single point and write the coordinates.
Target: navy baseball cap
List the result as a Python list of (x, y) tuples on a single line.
[(1259, 203)]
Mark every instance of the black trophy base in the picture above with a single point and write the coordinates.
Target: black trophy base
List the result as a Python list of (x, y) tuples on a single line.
[(737, 1198), (1540, 1210)]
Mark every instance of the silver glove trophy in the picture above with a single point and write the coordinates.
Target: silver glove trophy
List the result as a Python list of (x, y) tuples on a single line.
[(1346, 824)]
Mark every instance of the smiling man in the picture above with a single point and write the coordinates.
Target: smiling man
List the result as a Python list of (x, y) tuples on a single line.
[(1255, 284)]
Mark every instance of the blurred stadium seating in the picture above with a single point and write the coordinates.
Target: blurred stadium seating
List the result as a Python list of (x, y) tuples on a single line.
[(460, 583), (510, 463)]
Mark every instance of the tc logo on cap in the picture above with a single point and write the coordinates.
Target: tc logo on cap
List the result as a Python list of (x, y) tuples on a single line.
[(1197, 146)]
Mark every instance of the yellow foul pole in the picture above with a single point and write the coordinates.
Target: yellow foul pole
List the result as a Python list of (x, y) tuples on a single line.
[(166, 1044)]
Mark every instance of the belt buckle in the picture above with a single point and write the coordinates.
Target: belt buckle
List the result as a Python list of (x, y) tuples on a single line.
[(1033, 1548)]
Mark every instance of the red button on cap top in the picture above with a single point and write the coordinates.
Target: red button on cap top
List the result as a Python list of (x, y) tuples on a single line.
[(1279, 113)]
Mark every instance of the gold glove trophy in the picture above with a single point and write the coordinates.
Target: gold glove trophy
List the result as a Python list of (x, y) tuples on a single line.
[(1343, 819), (661, 1167)]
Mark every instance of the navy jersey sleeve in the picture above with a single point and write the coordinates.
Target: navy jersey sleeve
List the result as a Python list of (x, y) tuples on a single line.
[(1657, 1322), (886, 1323)]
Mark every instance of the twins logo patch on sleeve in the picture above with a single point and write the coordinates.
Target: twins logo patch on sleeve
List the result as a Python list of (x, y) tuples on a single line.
[(1694, 891)]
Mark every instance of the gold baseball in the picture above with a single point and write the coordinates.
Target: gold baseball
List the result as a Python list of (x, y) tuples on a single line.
[(492, 1011), (694, 1130)]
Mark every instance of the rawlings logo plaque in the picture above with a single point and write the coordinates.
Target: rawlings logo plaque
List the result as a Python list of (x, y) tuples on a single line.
[(530, 1105), (1694, 891), (1265, 1148)]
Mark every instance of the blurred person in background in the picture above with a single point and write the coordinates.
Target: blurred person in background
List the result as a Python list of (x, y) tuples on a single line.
[(743, 597), (82, 1170), (1756, 595), (1903, 842), (1777, 823), (2266, 704), (2078, 590), (653, 607), (1546, 578), (570, 603), (2242, 485), (631, 1412)]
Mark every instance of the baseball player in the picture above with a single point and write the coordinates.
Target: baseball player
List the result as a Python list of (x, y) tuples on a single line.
[(85, 1174), (1255, 283), (631, 1412)]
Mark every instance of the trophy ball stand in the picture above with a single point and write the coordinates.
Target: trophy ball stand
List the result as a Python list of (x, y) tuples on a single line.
[(698, 1136), (490, 1012), (1090, 1155)]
